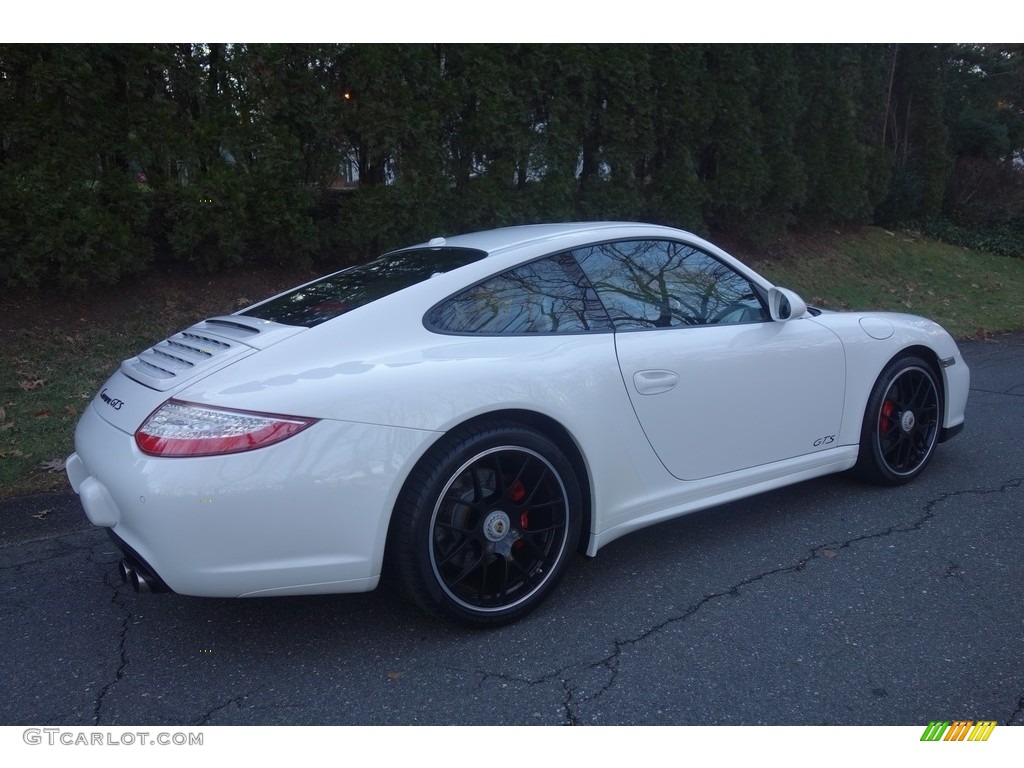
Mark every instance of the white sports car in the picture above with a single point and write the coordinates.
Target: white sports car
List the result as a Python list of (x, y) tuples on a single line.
[(467, 413)]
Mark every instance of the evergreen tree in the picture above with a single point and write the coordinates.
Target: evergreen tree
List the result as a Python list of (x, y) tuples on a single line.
[(836, 160), (213, 153), (681, 121), (917, 135)]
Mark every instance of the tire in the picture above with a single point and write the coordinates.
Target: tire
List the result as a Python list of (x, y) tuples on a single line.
[(901, 423), (486, 524)]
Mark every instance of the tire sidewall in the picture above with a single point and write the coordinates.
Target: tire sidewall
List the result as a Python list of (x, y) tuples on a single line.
[(418, 504), (872, 463)]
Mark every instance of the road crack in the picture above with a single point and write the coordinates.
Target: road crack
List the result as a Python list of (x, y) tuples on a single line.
[(611, 662), (567, 704), (117, 599), (1017, 718), (236, 701), (1008, 392)]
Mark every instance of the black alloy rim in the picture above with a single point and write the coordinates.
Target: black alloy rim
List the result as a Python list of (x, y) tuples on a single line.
[(908, 421), (499, 528)]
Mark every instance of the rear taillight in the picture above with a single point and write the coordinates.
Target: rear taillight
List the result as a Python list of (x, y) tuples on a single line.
[(178, 428)]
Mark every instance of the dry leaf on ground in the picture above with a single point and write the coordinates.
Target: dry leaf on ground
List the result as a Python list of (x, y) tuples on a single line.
[(53, 465)]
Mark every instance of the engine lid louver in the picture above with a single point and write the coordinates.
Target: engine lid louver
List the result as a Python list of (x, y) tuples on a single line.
[(203, 348)]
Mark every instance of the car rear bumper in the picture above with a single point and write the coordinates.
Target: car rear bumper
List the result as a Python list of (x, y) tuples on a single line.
[(307, 515)]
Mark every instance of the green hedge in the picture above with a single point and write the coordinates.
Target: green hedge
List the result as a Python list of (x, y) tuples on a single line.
[(215, 155)]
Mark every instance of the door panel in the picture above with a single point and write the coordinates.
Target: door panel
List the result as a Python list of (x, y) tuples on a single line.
[(719, 398)]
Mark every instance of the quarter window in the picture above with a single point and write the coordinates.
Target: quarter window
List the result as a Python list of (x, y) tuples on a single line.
[(664, 284), (551, 295)]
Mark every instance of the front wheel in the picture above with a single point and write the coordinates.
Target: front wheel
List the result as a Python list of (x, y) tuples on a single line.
[(901, 422), (486, 524)]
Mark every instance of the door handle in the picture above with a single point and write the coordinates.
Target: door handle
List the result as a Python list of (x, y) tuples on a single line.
[(655, 382)]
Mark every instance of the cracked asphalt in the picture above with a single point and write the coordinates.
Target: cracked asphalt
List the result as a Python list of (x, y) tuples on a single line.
[(829, 602)]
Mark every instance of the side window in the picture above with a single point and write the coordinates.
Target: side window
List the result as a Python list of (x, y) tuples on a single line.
[(551, 295), (663, 284)]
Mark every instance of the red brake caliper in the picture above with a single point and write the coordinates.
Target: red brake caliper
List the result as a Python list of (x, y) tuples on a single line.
[(516, 494), (885, 423)]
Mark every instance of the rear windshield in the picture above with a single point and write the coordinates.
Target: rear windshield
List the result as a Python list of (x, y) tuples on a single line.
[(339, 293)]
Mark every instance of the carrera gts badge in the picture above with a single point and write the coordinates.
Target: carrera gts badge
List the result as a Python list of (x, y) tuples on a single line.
[(113, 402)]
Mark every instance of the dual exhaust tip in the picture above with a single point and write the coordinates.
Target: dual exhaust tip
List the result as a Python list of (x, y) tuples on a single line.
[(137, 577)]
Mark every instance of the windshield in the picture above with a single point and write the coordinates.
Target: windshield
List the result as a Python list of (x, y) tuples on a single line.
[(336, 294)]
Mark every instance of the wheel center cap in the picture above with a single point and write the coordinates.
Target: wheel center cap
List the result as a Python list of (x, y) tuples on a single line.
[(497, 525), (907, 421)]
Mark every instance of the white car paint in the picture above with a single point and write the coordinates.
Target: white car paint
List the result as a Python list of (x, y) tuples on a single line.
[(754, 393), (666, 421)]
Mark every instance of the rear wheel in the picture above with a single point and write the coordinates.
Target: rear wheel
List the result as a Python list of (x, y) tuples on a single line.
[(486, 524), (901, 422)]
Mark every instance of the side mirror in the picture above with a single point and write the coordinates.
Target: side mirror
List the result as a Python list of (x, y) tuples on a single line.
[(784, 304)]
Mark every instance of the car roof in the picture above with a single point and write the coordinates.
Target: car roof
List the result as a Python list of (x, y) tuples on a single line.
[(495, 240)]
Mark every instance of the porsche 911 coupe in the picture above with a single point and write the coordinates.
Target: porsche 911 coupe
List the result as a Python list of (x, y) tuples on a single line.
[(466, 414)]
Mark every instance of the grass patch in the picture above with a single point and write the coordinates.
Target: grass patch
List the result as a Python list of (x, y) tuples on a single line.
[(55, 352), (970, 293), (48, 375)]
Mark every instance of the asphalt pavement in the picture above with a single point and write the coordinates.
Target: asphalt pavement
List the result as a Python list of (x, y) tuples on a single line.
[(829, 602)]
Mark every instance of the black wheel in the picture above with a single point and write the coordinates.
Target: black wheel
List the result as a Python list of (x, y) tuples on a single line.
[(901, 423), (485, 524)]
